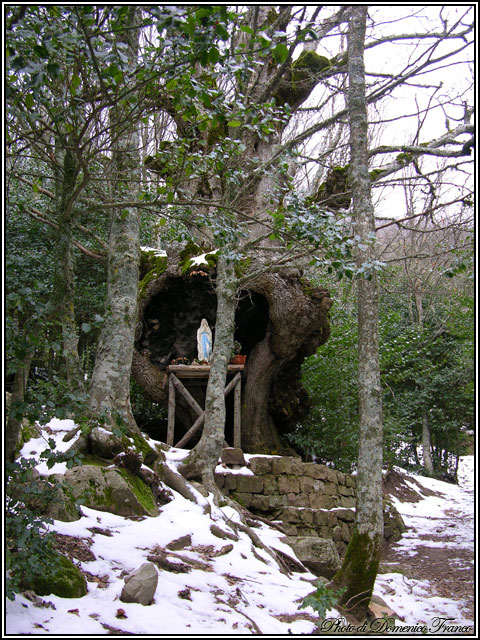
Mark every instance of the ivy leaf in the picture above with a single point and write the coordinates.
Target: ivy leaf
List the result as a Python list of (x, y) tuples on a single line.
[(246, 29), (234, 123), (53, 69), (41, 51)]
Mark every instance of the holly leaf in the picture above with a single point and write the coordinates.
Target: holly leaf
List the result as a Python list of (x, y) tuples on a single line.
[(280, 52)]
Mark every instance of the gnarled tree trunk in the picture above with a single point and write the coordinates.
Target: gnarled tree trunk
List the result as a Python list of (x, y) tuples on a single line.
[(280, 319), (297, 324)]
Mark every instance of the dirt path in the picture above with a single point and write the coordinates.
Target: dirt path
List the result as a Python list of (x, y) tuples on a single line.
[(443, 549)]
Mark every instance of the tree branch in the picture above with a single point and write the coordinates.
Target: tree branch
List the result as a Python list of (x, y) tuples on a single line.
[(37, 215)]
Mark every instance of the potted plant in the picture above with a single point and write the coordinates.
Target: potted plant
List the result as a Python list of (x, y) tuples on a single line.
[(236, 357)]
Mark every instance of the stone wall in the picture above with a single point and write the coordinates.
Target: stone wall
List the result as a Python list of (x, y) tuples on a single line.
[(306, 498)]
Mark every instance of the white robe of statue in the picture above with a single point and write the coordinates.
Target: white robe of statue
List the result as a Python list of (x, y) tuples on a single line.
[(204, 341)]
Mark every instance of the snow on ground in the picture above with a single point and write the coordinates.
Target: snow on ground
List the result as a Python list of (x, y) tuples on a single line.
[(243, 590), (449, 513), (241, 593)]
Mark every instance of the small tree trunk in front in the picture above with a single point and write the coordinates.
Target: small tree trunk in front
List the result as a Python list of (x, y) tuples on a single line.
[(203, 459), (19, 388), (360, 566), (62, 308), (110, 384), (426, 444)]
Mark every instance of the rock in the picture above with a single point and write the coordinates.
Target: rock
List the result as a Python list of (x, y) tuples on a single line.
[(249, 484), (379, 609), (63, 505), (234, 456), (317, 554), (288, 484), (260, 465), (180, 543), (393, 522), (281, 465), (140, 585), (110, 489), (314, 470), (62, 579), (57, 501)]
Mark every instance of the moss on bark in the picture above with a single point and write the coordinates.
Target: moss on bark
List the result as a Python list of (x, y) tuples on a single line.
[(152, 266), (358, 573), (301, 78)]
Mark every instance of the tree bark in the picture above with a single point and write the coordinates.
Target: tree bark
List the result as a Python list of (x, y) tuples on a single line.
[(360, 566), (298, 324), (110, 384), (62, 306), (203, 459), (426, 444), (19, 387)]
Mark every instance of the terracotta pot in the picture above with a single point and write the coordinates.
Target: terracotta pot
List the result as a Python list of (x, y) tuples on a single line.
[(238, 360)]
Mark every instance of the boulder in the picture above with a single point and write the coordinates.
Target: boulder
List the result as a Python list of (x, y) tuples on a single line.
[(140, 585), (48, 496), (393, 524), (317, 554), (110, 489), (63, 505)]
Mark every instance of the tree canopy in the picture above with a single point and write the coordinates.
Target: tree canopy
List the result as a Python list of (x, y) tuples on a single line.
[(220, 125)]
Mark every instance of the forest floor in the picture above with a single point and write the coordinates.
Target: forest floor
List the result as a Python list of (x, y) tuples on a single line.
[(236, 588)]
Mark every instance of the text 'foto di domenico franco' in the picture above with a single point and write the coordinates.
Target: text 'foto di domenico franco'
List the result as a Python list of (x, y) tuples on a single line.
[(387, 625)]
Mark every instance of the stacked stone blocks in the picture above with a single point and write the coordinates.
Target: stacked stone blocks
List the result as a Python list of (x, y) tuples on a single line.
[(306, 498)]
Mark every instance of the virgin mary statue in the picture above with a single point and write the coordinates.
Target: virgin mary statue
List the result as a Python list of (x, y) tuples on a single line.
[(204, 341)]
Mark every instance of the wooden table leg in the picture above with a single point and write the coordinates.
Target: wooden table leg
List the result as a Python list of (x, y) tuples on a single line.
[(171, 411), (237, 415)]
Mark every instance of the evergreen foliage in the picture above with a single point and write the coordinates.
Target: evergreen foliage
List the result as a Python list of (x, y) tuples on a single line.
[(429, 368), (322, 599), (28, 551)]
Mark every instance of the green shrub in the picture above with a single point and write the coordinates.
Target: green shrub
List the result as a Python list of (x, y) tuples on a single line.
[(322, 599), (29, 553)]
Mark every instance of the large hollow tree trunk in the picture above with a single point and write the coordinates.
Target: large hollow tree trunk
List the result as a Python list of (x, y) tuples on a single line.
[(298, 322), (360, 566), (259, 433), (280, 319)]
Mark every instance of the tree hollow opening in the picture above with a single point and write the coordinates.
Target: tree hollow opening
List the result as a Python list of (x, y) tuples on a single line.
[(170, 322)]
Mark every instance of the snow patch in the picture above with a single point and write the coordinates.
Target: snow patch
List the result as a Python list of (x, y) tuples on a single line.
[(243, 591)]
